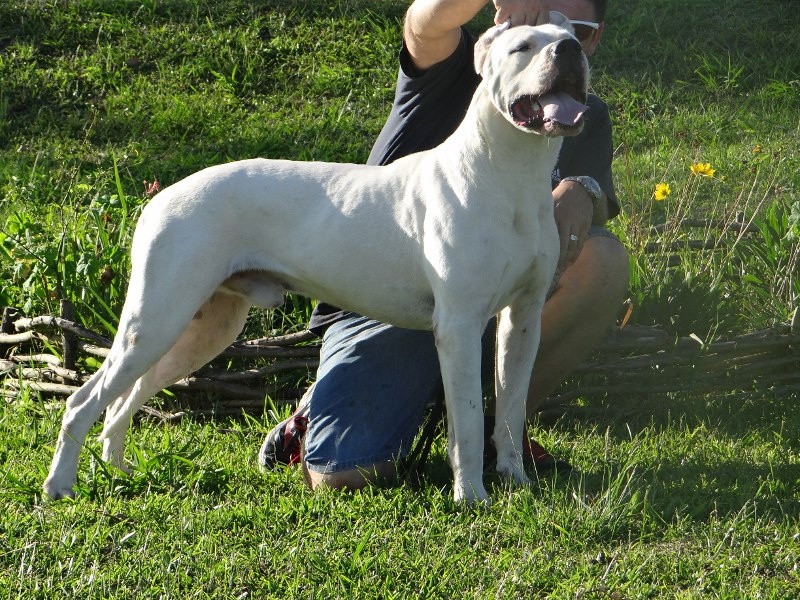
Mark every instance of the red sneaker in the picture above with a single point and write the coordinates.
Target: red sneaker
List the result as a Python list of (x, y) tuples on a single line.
[(534, 456), (282, 445)]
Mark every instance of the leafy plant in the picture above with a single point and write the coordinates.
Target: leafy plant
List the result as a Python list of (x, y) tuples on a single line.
[(86, 263), (770, 270)]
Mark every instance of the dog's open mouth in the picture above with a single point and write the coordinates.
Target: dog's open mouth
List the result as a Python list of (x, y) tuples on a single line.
[(558, 112)]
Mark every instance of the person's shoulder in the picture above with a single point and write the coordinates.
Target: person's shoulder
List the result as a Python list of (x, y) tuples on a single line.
[(598, 114), (596, 103)]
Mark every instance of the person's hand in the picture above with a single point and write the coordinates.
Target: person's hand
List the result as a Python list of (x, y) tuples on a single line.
[(521, 12), (573, 213)]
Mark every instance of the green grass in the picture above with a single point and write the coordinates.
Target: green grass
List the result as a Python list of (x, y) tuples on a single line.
[(680, 495), (680, 503)]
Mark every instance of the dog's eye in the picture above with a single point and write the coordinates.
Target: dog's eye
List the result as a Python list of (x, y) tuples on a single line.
[(522, 47)]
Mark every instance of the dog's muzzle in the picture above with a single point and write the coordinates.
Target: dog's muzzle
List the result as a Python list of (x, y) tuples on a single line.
[(559, 110)]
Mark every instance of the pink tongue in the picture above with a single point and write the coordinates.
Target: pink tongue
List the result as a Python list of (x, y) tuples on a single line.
[(562, 108)]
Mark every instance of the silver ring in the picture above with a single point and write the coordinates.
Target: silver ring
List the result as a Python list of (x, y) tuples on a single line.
[(573, 238)]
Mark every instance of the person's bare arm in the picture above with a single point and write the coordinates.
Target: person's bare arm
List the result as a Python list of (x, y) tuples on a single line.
[(432, 28)]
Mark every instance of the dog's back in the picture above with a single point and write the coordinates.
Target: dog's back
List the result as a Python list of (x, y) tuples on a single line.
[(325, 230)]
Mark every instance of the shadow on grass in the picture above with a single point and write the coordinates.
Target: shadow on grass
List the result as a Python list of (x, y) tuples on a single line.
[(736, 414), (716, 454), (678, 40), (679, 457)]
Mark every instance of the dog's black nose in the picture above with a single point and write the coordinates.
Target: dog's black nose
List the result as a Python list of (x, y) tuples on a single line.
[(568, 46)]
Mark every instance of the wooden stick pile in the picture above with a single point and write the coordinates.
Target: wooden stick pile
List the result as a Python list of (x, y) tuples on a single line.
[(645, 360), (24, 363), (632, 360)]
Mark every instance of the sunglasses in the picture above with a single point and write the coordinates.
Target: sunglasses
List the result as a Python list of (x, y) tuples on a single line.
[(584, 29)]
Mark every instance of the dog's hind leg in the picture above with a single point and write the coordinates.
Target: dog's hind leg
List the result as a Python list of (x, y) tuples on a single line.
[(213, 328), (111, 451), (153, 347)]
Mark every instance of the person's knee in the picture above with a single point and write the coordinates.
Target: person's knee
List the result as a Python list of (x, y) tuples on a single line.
[(617, 258), (351, 479), (605, 267)]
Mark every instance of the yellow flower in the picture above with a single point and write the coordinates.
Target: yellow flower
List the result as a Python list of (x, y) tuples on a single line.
[(662, 191), (702, 169)]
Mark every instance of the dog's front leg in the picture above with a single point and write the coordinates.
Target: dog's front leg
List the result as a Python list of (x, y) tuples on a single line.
[(459, 348), (518, 333)]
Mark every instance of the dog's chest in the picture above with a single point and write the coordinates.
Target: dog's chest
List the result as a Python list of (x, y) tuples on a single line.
[(529, 250)]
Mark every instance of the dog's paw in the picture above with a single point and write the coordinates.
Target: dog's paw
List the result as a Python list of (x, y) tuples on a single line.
[(56, 490), (471, 493), (513, 471)]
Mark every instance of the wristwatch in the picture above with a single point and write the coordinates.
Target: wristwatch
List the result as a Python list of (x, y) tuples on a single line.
[(590, 185)]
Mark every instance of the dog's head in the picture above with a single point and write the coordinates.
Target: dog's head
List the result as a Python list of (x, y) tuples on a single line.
[(536, 76)]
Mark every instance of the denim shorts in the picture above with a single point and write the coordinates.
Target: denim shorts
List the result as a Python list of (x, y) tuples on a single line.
[(373, 385), (367, 404)]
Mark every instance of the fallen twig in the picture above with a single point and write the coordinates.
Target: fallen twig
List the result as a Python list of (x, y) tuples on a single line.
[(632, 360)]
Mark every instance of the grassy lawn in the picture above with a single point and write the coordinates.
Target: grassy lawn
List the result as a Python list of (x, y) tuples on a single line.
[(678, 495)]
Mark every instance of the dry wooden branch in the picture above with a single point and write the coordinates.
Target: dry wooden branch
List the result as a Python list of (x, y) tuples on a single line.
[(57, 389), (736, 226), (677, 245), (290, 339), (59, 374), (12, 339), (50, 359), (250, 351), (217, 387), (93, 350), (634, 360), (51, 322), (250, 374)]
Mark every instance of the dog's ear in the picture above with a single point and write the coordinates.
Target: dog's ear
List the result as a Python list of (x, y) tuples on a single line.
[(483, 43), (560, 20)]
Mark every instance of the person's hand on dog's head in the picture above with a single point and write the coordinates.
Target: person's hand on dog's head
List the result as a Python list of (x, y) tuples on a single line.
[(521, 12)]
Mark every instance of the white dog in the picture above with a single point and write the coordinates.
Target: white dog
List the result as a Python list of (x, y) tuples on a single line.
[(440, 240)]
